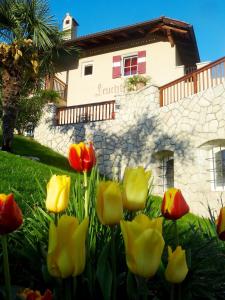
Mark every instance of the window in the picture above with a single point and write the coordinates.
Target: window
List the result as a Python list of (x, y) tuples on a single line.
[(87, 69), (217, 169), (166, 168), (167, 173), (130, 65)]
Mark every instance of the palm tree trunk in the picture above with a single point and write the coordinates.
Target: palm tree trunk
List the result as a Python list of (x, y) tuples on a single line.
[(11, 86)]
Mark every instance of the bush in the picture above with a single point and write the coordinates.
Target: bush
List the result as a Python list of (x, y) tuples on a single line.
[(31, 109)]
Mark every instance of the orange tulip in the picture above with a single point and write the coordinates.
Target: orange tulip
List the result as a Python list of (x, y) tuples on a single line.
[(82, 157), (221, 224), (10, 214), (174, 206)]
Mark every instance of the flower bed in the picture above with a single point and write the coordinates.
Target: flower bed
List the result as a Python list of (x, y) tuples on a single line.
[(105, 240)]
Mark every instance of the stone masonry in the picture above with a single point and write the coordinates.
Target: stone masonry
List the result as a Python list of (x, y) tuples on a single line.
[(143, 132)]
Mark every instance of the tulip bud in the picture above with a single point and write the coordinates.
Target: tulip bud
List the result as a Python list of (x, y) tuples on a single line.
[(135, 188), (58, 189), (177, 269), (66, 249), (109, 205), (10, 214), (81, 157), (220, 224), (144, 245), (174, 205)]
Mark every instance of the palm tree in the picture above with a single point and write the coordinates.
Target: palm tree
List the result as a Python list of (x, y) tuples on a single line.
[(29, 39)]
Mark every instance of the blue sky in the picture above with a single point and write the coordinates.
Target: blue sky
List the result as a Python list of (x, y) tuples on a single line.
[(207, 17)]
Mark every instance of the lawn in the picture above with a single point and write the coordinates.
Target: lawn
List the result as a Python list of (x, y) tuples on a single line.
[(26, 177)]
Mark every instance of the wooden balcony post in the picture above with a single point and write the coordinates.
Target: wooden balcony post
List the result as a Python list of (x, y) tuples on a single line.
[(57, 116), (51, 83), (160, 97), (195, 82)]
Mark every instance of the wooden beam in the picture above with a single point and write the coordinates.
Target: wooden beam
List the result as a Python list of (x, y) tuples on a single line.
[(123, 34), (95, 41), (174, 29), (81, 43), (154, 29), (109, 37), (170, 37), (141, 31)]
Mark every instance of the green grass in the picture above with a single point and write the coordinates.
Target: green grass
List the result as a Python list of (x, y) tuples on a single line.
[(28, 147), (26, 177)]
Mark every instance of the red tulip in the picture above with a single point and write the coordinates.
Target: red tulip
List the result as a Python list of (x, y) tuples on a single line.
[(29, 294), (220, 226), (10, 214), (174, 205), (82, 157)]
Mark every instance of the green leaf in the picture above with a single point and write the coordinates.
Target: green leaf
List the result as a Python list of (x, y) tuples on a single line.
[(104, 272), (131, 286)]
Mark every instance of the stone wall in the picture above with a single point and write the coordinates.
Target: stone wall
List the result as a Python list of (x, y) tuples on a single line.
[(143, 133)]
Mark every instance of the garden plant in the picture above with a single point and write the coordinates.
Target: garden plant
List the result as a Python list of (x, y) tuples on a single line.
[(93, 238)]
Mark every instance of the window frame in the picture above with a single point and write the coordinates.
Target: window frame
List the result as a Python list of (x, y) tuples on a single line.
[(163, 159), (213, 168), (128, 56), (87, 64)]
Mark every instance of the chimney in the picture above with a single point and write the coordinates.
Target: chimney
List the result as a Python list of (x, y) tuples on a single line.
[(70, 25)]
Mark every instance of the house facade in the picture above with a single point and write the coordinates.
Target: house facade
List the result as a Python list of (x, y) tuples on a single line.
[(174, 126), (162, 49)]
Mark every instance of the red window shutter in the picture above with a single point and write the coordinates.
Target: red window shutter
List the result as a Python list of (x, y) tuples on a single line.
[(141, 62), (116, 68)]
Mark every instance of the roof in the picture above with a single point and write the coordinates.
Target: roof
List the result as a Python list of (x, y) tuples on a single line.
[(174, 30)]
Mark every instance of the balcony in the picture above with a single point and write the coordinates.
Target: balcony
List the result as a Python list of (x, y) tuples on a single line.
[(100, 111), (56, 84), (197, 81)]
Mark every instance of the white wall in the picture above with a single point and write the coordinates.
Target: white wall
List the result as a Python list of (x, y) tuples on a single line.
[(160, 66)]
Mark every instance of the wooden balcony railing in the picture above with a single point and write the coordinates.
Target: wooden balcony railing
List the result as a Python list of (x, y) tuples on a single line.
[(195, 82), (92, 112), (56, 84)]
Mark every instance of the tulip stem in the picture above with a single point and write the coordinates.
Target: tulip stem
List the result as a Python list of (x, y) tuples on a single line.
[(74, 287), (67, 288), (86, 204), (172, 291), (56, 219), (113, 252), (6, 267), (176, 232)]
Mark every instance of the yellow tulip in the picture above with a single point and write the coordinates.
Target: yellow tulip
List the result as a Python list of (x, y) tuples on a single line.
[(109, 205), (58, 189), (66, 248), (144, 244), (177, 269), (135, 188)]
